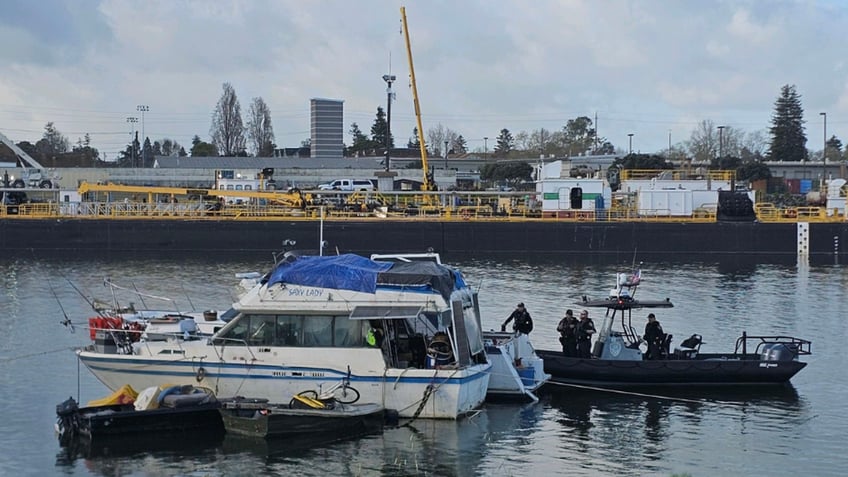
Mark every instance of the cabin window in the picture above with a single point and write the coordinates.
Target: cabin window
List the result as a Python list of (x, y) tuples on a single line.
[(348, 333), (289, 330), (261, 330), (238, 187), (235, 336), (248, 187), (318, 331), (229, 187), (295, 330)]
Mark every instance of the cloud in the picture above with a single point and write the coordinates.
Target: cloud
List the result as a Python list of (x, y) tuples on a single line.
[(643, 66)]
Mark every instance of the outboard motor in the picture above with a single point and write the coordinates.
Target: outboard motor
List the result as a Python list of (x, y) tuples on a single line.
[(782, 352)]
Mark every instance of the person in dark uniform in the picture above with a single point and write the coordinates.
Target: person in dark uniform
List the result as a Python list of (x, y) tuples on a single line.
[(653, 337), (567, 328), (585, 330), (522, 322)]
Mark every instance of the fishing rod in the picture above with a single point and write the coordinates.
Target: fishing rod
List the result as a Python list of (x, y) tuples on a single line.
[(67, 321)]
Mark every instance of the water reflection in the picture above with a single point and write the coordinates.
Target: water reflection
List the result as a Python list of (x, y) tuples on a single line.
[(423, 447), (644, 421)]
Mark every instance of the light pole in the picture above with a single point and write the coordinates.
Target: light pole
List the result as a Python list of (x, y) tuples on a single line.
[(142, 108), (446, 154), (824, 151), (669, 142), (389, 79), (720, 141), (485, 145), (132, 121), (630, 136)]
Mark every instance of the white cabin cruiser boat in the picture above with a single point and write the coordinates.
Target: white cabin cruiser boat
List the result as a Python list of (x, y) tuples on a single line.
[(406, 335), (517, 371)]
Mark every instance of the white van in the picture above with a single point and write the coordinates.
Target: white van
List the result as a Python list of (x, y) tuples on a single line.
[(348, 185)]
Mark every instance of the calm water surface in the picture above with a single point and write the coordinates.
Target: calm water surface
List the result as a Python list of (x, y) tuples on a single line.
[(775, 431)]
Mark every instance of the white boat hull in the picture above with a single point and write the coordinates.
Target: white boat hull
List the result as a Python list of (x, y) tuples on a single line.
[(280, 373), (517, 371)]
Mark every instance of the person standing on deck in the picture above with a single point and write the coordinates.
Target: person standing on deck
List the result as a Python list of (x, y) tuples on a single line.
[(523, 323), (585, 330), (654, 337), (567, 328)]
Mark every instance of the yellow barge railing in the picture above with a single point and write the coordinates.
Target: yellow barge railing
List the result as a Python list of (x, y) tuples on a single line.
[(202, 211)]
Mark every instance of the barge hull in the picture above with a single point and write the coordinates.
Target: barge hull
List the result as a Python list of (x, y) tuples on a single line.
[(478, 238)]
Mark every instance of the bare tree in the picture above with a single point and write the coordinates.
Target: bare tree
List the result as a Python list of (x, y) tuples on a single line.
[(260, 132), (756, 143), (227, 129), (436, 137), (703, 142)]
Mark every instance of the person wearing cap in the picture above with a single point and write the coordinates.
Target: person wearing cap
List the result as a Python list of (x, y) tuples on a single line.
[(654, 337), (522, 322), (567, 328), (585, 330)]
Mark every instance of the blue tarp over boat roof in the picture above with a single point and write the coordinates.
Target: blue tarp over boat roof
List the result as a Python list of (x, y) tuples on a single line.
[(343, 272), (353, 272)]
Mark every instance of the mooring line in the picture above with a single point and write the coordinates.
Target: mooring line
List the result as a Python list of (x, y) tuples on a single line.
[(633, 393), (15, 358)]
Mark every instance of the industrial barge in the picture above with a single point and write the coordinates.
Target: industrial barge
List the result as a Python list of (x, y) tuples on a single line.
[(118, 220)]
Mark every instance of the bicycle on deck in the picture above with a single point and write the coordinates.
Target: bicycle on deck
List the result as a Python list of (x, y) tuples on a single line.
[(341, 392)]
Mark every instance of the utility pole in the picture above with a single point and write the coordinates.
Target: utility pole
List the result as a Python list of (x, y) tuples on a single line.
[(485, 145), (824, 151), (389, 79), (446, 154), (595, 151), (720, 142), (630, 135)]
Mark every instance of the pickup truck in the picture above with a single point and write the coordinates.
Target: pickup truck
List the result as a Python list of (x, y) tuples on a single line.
[(348, 185)]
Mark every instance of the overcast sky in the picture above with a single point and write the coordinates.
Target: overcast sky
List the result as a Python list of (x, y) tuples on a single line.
[(646, 67)]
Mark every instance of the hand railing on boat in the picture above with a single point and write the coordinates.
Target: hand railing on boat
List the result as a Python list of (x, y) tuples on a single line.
[(797, 345)]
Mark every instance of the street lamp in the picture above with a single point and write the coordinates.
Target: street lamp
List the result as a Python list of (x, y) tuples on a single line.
[(132, 121), (446, 154), (824, 151), (485, 145), (630, 136), (720, 141), (389, 79)]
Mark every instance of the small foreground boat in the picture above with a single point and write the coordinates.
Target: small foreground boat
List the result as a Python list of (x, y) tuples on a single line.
[(334, 422), (161, 411)]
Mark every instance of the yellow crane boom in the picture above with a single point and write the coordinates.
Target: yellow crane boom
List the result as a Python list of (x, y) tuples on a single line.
[(426, 184), (291, 199)]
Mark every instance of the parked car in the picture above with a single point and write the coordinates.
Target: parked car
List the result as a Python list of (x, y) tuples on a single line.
[(348, 185)]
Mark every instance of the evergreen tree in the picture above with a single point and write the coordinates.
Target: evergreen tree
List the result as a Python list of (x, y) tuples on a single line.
[(834, 149), (504, 144), (379, 129), (460, 146), (788, 142), (202, 149), (360, 142), (147, 154)]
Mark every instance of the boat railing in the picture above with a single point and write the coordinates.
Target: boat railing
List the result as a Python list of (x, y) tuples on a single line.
[(215, 341), (797, 345)]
